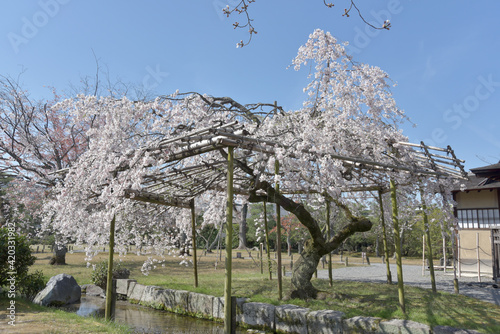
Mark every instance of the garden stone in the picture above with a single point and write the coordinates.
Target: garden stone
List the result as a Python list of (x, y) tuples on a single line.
[(135, 292), (200, 304), (397, 326), (451, 330), (94, 290), (218, 308), (258, 315), (291, 319), (166, 299), (181, 301), (122, 285), (361, 324), (325, 322), (149, 295), (60, 290)]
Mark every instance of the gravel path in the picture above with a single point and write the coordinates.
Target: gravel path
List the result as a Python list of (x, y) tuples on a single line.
[(412, 275)]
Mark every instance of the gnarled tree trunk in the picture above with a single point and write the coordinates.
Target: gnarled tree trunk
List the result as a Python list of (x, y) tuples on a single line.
[(317, 245), (303, 271)]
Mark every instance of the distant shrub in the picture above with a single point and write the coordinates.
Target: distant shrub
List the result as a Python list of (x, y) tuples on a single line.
[(15, 256), (32, 284), (99, 275)]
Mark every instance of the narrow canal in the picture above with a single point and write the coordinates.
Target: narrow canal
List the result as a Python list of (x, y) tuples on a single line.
[(147, 320)]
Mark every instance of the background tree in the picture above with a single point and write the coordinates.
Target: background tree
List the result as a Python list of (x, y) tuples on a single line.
[(36, 139)]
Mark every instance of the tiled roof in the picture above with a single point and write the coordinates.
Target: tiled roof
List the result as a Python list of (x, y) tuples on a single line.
[(479, 183)]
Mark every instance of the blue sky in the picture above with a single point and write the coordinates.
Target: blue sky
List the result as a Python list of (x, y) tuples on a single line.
[(443, 55)]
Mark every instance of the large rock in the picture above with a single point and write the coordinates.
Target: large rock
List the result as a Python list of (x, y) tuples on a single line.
[(61, 289)]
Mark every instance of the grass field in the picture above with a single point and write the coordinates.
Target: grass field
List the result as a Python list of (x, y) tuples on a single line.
[(352, 298)]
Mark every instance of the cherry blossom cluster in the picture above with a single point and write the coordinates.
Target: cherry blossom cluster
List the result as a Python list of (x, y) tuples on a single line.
[(349, 112)]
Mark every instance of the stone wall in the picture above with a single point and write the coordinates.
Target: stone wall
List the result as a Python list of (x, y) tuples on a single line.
[(278, 319)]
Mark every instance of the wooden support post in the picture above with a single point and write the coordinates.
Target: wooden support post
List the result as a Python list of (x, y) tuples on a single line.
[(444, 255), (278, 233), (397, 242), (455, 280), (459, 257), (384, 238), (193, 237), (478, 259), (269, 263), (423, 255), (328, 227), (261, 258), (429, 243), (229, 240), (109, 284)]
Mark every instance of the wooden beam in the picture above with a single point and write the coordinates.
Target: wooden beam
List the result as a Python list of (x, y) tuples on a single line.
[(155, 199)]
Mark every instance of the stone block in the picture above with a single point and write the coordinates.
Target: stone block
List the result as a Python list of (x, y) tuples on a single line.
[(122, 285), (200, 304), (149, 296), (325, 322), (397, 326), (239, 308), (451, 330), (218, 308), (166, 299), (94, 290), (181, 301), (135, 291), (360, 325), (258, 315), (291, 319)]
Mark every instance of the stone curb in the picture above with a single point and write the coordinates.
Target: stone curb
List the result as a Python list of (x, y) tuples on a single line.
[(278, 319)]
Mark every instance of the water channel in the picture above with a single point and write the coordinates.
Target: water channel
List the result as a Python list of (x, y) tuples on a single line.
[(147, 320)]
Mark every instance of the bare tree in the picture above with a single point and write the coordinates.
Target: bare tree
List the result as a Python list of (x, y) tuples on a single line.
[(36, 139)]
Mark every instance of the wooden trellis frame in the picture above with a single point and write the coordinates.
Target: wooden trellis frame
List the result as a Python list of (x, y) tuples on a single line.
[(178, 186)]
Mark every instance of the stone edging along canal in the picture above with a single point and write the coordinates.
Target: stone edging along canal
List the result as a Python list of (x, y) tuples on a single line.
[(278, 319)]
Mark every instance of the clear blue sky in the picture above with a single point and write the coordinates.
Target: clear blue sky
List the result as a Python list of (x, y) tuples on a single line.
[(444, 55)]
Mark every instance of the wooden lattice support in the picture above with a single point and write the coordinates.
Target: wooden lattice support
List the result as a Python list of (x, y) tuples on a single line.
[(266, 228), (328, 227), (397, 242), (429, 241), (108, 313), (193, 237), (384, 237), (229, 242), (278, 235)]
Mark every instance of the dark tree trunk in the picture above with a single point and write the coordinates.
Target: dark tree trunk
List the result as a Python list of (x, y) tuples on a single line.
[(243, 228), (303, 271), (59, 255), (317, 245)]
